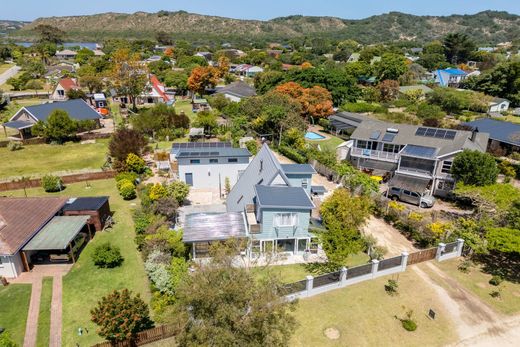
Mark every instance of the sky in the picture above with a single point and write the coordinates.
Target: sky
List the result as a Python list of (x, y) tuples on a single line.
[(252, 9)]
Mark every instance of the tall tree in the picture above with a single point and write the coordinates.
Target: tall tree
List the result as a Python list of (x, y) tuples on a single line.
[(49, 34), (125, 141), (120, 316), (390, 67), (458, 47), (474, 168), (129, 75), (202, 77), (316, 101), (58, 127), (225, 305)]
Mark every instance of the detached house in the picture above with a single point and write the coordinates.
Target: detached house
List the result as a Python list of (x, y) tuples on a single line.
[(498, 105), (270, 207), (450, 77), (419, 156), (63, 86), (236, 91), (66, 54), (155, 92)]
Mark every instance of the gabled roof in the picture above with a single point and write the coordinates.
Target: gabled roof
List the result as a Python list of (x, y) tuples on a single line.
[(497, 101), (77, 109), (22, 218), (298, 169), (158, 87), (239, 89), (505, 132), (67, 52), (68, 84), (282, 197)]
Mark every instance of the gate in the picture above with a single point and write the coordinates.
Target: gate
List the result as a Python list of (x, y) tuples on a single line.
[(420, 256)]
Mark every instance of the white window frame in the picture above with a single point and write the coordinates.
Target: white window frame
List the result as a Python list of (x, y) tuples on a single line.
[(279, 219), (305, 183), (446, 163)]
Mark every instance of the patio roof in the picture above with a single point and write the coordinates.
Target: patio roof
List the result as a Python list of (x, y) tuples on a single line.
[(57, 234), (213, 226), (411, 183), (18, 124)]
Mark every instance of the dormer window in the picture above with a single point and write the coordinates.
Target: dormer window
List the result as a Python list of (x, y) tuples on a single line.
[(261, 165)]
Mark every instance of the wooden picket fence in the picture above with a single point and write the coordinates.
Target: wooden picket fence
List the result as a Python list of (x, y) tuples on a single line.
[(144, 337)]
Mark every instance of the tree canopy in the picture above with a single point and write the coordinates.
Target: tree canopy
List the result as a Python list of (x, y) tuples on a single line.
[(316, 102), (474, 168), (458, 47), (58, 127)]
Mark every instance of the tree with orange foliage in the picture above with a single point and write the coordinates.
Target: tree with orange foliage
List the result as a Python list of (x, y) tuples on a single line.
[(223, 66), (128, 74), (169, 52), (316, 101), (201, 78), (306, 65)]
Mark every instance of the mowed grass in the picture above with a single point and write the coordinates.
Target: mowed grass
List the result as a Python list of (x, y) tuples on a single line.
[(44, 317), (365, 315), (185, 105), (14, 306), (477, 282), (328, 144), (38, 160), (5, 67), (85, 284)]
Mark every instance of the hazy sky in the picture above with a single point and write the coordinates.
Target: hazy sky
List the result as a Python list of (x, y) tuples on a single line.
[(252, 9)]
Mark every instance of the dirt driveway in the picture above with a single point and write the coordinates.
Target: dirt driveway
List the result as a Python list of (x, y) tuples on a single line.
[(387, 236)]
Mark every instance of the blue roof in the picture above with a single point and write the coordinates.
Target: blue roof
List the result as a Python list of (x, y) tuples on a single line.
[(298, 169), (77, 109), (283, 197), (18, 124), (498, 130), (453, 71)]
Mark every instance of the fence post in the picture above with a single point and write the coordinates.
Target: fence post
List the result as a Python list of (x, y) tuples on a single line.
[(309, 284), (343, 275), (375, 264), (404, 261), (460, 246), (440, 249)]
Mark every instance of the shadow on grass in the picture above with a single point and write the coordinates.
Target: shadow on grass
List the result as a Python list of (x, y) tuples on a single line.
[(505, 265)]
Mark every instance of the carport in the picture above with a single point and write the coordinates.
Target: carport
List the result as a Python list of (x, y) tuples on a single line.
[(57, 235), (411, 183)]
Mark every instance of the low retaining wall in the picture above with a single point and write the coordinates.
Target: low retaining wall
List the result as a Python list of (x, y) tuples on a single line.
[(72, 178), (345, 277)]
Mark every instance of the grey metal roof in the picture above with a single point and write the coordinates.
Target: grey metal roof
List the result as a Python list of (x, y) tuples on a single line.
[(18, 124), (298, 169), (411, 183), (318, 189), (239, 89), (85, 203), (501, 131), (407, 134), (281, 196), (213, 153), (347, 120), (77, 109), (213, 226)]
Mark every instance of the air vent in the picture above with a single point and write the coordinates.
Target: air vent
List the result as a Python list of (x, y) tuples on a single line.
[(392, 130)]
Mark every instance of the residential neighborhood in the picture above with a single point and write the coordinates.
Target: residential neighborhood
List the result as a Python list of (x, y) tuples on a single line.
[(171, 178)]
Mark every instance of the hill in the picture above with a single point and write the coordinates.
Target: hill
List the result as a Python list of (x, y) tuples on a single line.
[(7, 26), (487, 27)]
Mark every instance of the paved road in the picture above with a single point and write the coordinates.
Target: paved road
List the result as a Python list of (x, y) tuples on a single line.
[(8, 74)]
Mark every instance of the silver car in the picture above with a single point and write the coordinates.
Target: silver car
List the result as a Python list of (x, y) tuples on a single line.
[(416, 198)]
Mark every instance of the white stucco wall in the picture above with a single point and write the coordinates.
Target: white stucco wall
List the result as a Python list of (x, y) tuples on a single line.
[(207, 176), (232, 98), (11, 266)]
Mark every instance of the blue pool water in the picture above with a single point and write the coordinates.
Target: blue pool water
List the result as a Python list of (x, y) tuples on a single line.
[(311, 135)]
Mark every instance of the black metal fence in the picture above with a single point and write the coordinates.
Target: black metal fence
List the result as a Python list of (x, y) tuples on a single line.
[(359, 271), (450, 247), (296, 287), (389, 263), (323, 280)]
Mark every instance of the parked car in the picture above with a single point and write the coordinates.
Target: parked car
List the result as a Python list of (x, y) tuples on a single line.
[(423, 200)]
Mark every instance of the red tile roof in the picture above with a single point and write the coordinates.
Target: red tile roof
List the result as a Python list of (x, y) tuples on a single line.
[(159, 88), (68, 84), (22, 218)]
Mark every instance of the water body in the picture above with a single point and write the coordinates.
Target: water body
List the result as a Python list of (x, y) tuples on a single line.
[(89, 45)]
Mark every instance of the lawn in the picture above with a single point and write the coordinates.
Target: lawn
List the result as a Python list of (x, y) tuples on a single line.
[(329, 144), (513, 119), (5, 67), (364, 315), (477, 282), (37, 160), (185, 105), (86, 284), (10, 111), (44, 317), (14, 306)]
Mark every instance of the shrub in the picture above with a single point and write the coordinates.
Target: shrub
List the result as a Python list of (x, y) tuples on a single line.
[(409, 325), (292, 154), (107, 256), (157, 192), (127, 190), (51, 183), (391, 287), (361, 107), (507, 169), (129, 176), (14, 146), (474, 168), (495, 294), (496, 280), (179, 191), (464, 266), (6, 340), (252, 147), (135, 164)]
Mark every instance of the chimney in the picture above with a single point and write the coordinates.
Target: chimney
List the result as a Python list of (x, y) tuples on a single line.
[(474, 134)]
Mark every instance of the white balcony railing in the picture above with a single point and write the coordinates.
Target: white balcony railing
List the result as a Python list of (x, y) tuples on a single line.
[(375, 154)]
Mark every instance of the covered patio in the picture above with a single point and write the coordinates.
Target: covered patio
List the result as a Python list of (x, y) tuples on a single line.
[(23, 128), (60, 240)]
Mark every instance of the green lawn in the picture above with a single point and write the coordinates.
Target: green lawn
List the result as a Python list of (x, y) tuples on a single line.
[(513, 119), (364, 315), (86, 284), (10, 111), (477, 282), (329, 144), (14, 306), (44, 318), (7, 87), (37, 160), (185, 105), (5, 67)]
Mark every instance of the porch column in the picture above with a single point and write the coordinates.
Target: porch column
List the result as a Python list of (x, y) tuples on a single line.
[(375, 264), (72, 253), (440, 249), (24, 261)]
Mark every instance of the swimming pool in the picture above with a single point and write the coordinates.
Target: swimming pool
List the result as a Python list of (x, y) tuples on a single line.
[(311, 135)]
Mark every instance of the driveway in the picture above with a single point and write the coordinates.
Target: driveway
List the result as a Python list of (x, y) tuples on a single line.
[(8, 74)]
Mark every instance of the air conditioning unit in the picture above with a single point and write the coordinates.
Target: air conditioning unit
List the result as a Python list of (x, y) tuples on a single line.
[(392, 130)]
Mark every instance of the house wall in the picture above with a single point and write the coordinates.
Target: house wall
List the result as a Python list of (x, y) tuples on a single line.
[(503, 106), (232, 98), (55, 94), (207, 175), (23, 115), (268, 231), (11, 266), (296, 181)]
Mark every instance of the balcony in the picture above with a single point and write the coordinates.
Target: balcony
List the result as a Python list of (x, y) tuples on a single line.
[(374, 154)]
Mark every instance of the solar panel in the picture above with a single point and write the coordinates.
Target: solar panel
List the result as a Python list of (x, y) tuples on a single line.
[(193, 145), (389, 137), (420, 132), (375, 135), (450, 135), (430, 132), (440, 133)]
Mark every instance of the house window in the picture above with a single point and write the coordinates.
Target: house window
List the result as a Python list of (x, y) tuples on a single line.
[(213, 161), (446, 167), (195, 161), (0, 261), (285, 219), (363, 144), (261, 165), (240, 199), (445, 185), (232, 160), (305, 183), (61, 92)]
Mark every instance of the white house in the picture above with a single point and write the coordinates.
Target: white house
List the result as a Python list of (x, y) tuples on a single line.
[(61, 89), (66, 54), (498, 105), (208, 164)]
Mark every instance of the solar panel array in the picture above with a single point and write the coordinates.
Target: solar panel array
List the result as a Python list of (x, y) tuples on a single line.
[(194, 145), (197, 154), (436, 133)]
